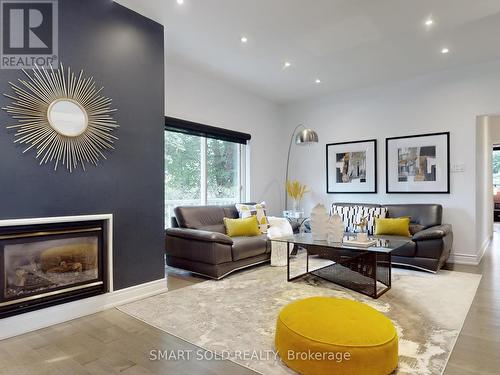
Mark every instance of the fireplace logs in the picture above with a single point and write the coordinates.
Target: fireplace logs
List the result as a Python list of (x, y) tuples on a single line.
[(70, 258)]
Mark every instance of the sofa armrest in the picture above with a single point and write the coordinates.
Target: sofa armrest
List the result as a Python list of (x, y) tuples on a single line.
[(433, 233), (199, 235)]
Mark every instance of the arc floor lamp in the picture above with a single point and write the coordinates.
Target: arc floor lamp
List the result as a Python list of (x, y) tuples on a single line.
[(303, 137)]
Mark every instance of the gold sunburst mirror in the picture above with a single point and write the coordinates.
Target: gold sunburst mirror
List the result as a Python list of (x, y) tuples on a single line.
[(62, 116)]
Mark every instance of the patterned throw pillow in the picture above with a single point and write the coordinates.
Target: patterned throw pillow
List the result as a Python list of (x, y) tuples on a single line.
[(353, 214), (371, 213), (348, 215), (259, 210)]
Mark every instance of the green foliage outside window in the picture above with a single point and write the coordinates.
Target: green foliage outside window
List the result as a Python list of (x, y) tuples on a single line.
[(222, 169), (183, 168), (496, 168)]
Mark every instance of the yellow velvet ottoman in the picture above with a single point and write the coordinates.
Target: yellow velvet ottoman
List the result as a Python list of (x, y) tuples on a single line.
[(323, 335)]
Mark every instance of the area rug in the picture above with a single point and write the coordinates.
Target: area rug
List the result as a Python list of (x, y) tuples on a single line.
[(238, 314)]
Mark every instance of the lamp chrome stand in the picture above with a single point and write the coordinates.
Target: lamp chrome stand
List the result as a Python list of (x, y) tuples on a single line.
[(304, 137)]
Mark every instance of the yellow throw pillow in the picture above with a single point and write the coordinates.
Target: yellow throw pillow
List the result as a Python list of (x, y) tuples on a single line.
[(247, 227), (399, 226)]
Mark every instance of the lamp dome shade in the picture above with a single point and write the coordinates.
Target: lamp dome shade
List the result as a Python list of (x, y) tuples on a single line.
[(306, 136)]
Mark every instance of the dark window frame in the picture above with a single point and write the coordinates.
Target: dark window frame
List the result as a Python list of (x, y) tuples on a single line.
[(207, 131)]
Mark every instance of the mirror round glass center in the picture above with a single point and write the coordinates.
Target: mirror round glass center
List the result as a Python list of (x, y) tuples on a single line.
[(67, 117)]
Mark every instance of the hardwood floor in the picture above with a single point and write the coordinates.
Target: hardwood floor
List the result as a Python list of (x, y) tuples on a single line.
[(476, 350), (109, 342), (112, 342)]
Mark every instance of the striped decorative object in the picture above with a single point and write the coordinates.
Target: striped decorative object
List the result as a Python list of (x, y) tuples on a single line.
[(371, 213), (348, 215), (353, 214)]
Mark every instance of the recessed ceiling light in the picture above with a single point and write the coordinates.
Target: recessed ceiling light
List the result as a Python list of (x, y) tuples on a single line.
[(317, 80), (180, 2), (445, 50), (287, 64), (429, 22), (244, 39)]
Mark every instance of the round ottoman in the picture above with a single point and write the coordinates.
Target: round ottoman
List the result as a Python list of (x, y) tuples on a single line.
[(323, 335)]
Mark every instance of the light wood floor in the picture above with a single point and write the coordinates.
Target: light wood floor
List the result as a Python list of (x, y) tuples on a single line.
[(112, 342), (477, 347)]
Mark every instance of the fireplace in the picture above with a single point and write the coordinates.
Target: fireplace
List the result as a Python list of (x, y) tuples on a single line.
[(47, 264)]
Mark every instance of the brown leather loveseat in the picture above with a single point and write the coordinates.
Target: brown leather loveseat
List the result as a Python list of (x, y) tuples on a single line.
[(197, 242), (431, 241)]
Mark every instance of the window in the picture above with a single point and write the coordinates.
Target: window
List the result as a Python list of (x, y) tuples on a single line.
[(201, 170), (496, 168), (223, 172)]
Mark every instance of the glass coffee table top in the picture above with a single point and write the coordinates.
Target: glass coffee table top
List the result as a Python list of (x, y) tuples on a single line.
[(383, 245)]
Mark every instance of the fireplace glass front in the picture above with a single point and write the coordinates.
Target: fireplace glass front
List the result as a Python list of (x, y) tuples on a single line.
[(48, 265)]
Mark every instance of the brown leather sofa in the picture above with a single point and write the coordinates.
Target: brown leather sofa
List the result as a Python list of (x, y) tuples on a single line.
[(197, 242), (431, 241)]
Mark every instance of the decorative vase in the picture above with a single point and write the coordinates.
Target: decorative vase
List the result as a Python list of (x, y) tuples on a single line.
[(335, 231), (296, 205), (319, 223)]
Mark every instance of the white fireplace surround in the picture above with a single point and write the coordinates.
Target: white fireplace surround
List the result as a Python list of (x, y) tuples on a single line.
[(27, 322)]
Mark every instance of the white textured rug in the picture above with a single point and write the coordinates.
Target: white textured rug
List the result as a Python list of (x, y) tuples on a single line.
[(238, 313)]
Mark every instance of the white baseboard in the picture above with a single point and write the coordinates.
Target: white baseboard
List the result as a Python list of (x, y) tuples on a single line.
[(467, 259), (470, 259), (483, 249), (31, 321)]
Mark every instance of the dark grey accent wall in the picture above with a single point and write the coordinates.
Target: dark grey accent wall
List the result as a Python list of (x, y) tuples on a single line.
[(124, 52)]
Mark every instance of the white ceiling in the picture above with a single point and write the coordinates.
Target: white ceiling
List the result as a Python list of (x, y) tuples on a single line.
[(345, 43)]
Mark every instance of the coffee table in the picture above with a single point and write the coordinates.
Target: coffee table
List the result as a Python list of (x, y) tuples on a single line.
[(365, 270)]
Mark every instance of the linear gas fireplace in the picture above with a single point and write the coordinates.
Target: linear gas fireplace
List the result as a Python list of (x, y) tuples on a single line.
[(47, 264)]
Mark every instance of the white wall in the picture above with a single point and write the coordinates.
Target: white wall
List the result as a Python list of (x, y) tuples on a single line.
[(199, 97), (444, 101), (484, 182)]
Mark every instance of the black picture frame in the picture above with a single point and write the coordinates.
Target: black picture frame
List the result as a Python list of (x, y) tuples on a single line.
[(375, 166), (448, 164)]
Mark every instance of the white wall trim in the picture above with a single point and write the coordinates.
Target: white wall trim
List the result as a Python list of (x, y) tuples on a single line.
[(31, 321), (467, 259), (470, 259)]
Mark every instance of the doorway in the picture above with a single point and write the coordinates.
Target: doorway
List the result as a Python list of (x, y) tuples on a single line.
[(495, 164)]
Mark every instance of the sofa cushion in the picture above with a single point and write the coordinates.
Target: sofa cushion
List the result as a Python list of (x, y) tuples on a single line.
[(393, 226), (197, 217), (248, 227), (427, 215), (198, 251), (208, 218), (246, 247)]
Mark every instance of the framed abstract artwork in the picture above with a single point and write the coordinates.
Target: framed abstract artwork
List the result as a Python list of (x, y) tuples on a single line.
[(418, 164), (351, 167)]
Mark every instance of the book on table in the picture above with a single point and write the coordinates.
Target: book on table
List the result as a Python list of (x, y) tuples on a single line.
[(358, 243)]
